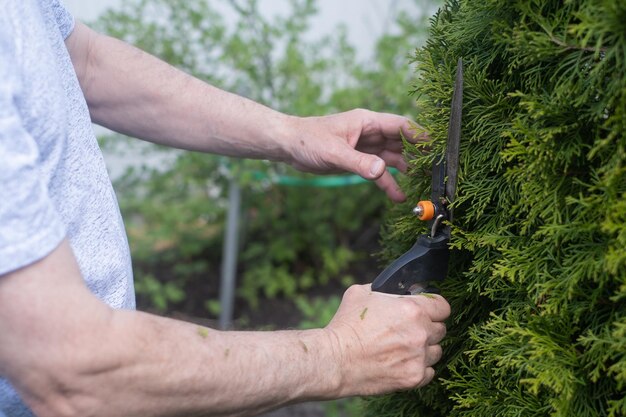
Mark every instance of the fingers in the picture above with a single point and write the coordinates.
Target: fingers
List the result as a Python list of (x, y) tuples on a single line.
[(435, 306), (375, 144), (390, 126), (429, 375), (370, 167), (437, 333), (433, 355), (394, 159), (371, 143), (417, 134), (388, 184)]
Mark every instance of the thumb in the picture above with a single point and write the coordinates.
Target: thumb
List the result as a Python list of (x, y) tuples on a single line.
[(376, 168), (370, 167)]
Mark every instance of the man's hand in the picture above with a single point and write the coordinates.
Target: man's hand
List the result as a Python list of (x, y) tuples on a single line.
[(358, 141), (385, 342)]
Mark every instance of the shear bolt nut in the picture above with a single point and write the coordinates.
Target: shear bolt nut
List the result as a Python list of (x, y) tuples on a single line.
[(425, 210)]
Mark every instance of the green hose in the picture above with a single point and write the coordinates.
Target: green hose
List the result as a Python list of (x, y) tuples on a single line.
[(325, 181)]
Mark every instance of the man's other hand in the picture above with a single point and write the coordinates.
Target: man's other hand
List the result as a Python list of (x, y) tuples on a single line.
[(359, 141)]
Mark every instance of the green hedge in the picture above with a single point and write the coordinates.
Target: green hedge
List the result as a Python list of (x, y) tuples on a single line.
[(538, 275)]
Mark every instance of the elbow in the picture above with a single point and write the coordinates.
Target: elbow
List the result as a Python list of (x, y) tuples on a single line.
[(55, 407), (67, 375), (73, 389), (58, 395)]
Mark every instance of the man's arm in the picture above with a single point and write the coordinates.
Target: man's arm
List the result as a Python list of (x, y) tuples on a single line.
[(132, 92), (68, 354)]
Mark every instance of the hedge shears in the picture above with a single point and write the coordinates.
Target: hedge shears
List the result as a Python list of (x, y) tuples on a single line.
[(427, 261)]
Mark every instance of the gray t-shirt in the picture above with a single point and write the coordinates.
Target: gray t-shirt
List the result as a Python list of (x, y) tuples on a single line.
[(53, 181)]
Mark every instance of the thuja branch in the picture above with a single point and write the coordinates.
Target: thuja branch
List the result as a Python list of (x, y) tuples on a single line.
[(569, 47)]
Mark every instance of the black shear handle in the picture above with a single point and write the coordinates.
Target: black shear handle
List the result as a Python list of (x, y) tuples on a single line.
[(413, 272)]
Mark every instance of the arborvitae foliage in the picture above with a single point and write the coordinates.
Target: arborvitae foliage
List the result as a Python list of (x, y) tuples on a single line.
[(537, 280)]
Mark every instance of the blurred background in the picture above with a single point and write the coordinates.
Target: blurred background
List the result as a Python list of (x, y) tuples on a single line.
[(296, 241)]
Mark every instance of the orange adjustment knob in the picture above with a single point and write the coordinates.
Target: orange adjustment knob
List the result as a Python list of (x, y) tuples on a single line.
[(425, 210)]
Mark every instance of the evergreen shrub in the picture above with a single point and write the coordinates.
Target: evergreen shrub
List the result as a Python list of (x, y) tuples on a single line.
[(537, 279)]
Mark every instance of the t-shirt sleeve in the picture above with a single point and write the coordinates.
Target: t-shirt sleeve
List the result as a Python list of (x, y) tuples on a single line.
[(64, 18), (30, 226)]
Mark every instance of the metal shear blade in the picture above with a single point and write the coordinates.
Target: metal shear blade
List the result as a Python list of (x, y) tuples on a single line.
[(427, 260), (454, 137)]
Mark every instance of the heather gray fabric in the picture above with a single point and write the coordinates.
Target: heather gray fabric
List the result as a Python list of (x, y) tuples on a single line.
[(53, 181)]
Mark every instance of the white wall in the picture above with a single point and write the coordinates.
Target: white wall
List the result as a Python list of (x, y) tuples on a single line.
[(365, 19)]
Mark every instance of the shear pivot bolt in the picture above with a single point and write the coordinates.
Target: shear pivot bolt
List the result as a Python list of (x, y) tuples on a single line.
[(425, 210)]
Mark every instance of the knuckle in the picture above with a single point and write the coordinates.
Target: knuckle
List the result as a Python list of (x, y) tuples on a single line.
[(420, 337), (415, 378), (348, 292), (442, 331), (429, 375), (365, 116), (412, 310), (352, 292), (437, 353), (441, 305), (359, 112), (438, 307), (447, 310)]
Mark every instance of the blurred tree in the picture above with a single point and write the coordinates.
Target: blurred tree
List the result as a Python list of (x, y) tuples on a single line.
[(294, 239)]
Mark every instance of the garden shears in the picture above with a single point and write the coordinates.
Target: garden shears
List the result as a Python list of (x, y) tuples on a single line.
[(427, 261)]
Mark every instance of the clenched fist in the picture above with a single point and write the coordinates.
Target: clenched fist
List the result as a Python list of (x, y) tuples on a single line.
[(386, 342)]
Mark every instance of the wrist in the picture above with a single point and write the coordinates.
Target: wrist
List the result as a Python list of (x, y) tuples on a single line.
[(326, 383), (279, 135)]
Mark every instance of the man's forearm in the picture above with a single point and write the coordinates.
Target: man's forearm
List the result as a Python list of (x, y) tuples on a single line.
[(168, 367), (69, 354), (130, 91)]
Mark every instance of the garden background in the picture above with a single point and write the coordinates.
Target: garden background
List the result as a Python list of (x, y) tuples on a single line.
[(538, 273), (301, 241)]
